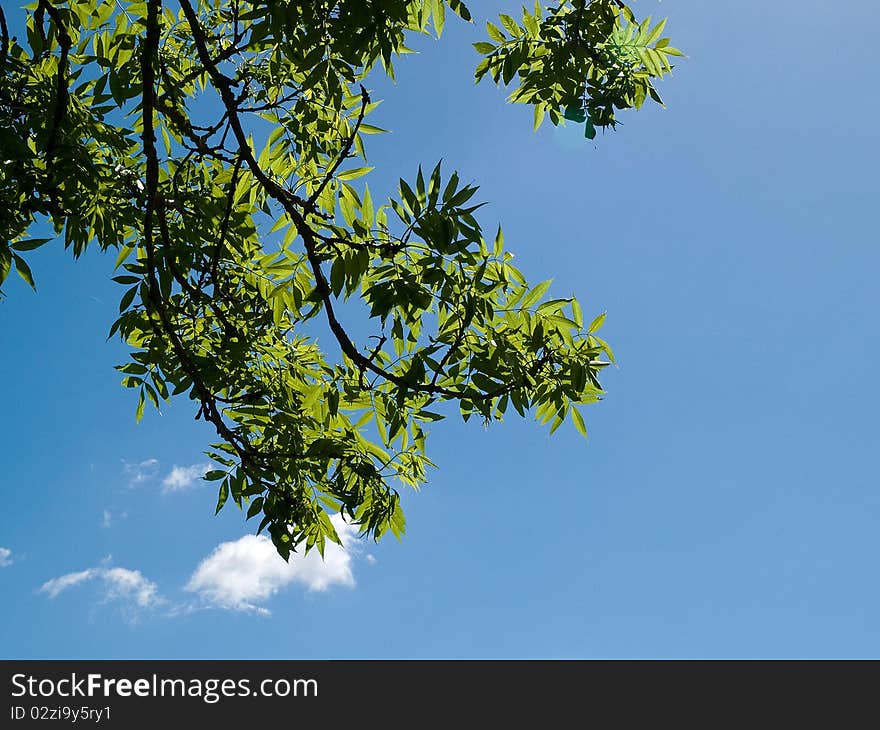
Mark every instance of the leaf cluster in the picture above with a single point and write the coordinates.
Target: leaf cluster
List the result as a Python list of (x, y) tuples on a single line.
[(579, 60), (218, 148)]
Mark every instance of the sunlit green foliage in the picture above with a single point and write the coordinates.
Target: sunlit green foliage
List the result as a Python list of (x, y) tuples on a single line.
[(218, 148), (578, 60)]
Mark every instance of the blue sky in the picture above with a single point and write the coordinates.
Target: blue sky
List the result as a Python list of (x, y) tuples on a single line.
[(726, 502)]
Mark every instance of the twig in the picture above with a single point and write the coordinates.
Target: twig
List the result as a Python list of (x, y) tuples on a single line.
[(346, 149)]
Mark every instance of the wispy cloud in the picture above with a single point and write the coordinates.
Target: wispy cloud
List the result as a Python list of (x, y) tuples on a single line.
[(243, 574), (110, 518), (56, 585), (130, 585), (183, 477), (140, 472), (127, 587), (5, 557)]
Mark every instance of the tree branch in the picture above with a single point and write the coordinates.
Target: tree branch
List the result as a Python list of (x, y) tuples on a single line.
[(465, 323), (297, 209), (346, 149), (61, 92), (209, 408)]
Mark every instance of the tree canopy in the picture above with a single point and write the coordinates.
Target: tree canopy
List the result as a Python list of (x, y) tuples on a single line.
[(218, 148)]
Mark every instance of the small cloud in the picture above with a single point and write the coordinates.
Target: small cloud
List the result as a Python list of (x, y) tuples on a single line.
[(128, 587), (242, 574), (110, 518), (56, 585), (183, 477), (371, 559), (141, 472), (5, 557)]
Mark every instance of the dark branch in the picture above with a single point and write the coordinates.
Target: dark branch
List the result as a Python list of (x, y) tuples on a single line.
[(208, 407), (470, 309), (61, 92), (224, 226), (346, 149)]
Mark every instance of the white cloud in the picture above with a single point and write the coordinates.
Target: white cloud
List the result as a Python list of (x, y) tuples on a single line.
[(128, 587), (54, 586), (141, 472), (183, 477), (242, 574), (110, 518), (5, 557)]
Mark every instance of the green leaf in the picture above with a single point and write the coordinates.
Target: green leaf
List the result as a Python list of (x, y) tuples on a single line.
[(540, 112), (371, 129), (576, 313), (152, 395), (255, 508), (575, 113), (5, 263), (578, 421), (460, 9), (605, 347), (24, 270), (124, 253), (535, 294), (116, 89), (531, 24), (656, 32), (337, 277), (438, 15), (127, 298), (495, 32), (29, 244), (353, 174), (597, 323), (222, 496), (498, 246), (510, 25), (139, 413)]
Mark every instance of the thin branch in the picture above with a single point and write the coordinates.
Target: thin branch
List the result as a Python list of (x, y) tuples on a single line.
[(224, 55), (208, 403), (346, 149), (453, 348), (224, 225)]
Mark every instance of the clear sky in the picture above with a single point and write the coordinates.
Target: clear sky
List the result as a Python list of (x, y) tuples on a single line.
[(726, 502)]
